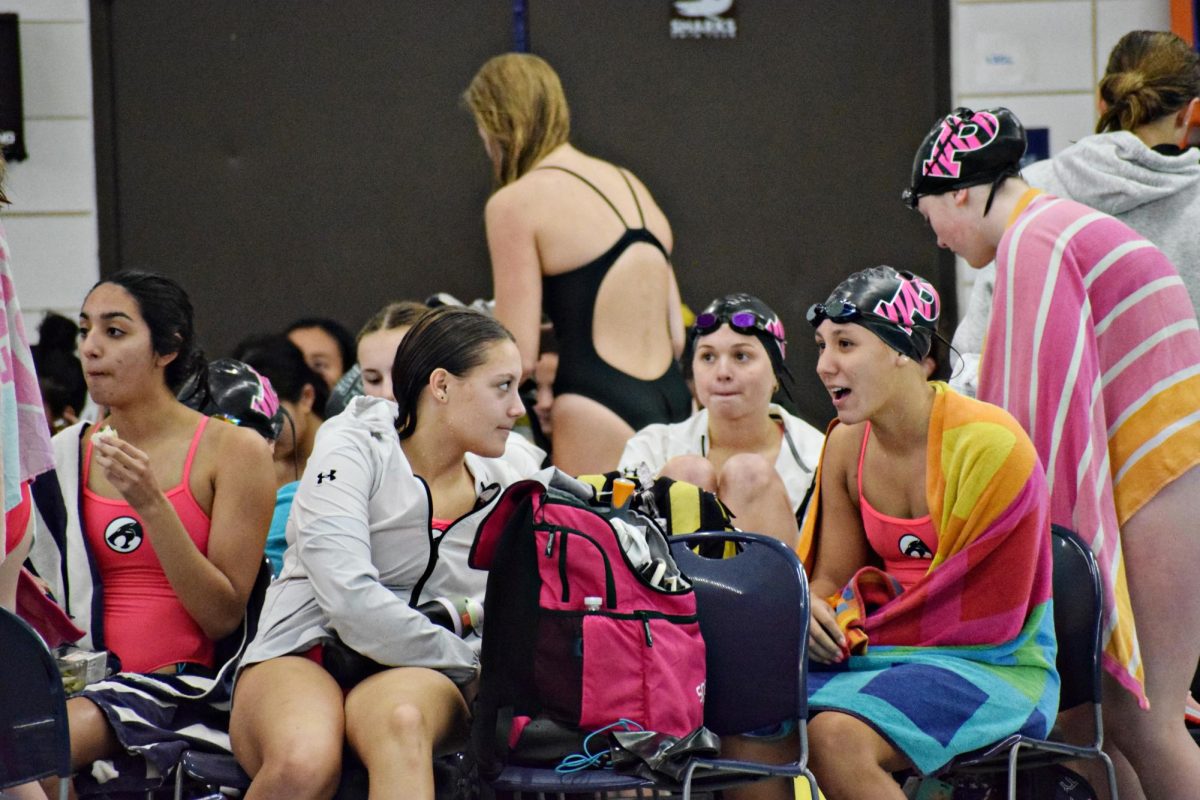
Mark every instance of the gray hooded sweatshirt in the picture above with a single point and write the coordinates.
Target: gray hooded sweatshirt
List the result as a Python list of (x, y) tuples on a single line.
[(1155, 194)]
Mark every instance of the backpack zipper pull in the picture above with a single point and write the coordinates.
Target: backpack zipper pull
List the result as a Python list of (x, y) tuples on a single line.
[(646, 627), (550, 543)]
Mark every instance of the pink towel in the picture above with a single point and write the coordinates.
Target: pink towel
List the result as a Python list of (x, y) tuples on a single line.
[(24, 433), (1093, 346)]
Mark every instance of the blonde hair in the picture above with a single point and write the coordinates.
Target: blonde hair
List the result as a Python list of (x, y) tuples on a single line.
[(1150, 74), (518, 101), (394, 315)]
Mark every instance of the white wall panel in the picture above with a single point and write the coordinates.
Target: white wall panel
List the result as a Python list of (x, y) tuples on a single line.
[(1022, 47), (1115, 18), (53, 259), (60, 173), (56, 69), (44, 10), (52, 222)]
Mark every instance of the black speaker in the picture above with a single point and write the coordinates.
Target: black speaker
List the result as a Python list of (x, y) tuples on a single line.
[(12, 114)]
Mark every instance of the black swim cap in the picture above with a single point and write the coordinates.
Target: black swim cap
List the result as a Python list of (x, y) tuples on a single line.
[(238, 393), (899, 307), (967, 148), (746, 314)]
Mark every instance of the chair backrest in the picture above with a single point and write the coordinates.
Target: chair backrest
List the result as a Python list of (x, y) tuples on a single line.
[(753, 610), (34, 742), (1077, 618)]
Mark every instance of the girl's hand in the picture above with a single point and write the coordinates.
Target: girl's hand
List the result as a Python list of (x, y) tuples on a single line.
[(826, 642), (127, 469)]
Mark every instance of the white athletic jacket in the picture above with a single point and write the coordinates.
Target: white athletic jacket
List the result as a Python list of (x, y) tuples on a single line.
[(360, 542)]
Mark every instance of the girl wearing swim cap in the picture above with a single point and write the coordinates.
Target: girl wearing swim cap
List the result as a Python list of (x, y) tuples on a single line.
[(758, 458), (946, 495), (1093, 346)]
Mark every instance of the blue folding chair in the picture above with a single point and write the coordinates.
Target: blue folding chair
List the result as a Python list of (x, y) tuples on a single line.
[(754, 615), (1078, 614), (34, 742)]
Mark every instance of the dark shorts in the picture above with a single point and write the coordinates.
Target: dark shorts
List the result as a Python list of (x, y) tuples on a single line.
[(773, 733)]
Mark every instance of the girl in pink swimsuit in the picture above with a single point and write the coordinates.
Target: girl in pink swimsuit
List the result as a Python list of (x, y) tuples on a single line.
[(891, 459), (174, 508)]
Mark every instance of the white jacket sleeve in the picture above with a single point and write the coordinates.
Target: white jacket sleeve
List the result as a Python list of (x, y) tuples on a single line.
[(969, 336), (334, 544), (648, 446)]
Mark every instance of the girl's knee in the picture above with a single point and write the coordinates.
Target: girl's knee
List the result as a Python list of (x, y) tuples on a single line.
[(407, 723), (91, 736), (836, 738), (300, 767), (693, 469), (748, 474), (826, 730)]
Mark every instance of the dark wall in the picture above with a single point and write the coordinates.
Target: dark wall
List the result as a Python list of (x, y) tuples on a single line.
[(289, 159)]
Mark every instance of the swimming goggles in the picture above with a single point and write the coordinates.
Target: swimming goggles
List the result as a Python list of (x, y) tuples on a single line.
[(740, 321), (839, 311)]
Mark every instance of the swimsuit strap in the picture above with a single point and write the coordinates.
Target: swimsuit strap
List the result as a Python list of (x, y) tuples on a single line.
[(595, 189), (862, 456), (187, 464), (641, 216)]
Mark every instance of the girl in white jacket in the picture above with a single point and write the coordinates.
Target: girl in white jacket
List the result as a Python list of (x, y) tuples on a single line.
[(382, 522)]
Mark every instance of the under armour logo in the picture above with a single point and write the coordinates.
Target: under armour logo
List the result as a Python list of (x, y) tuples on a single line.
[(331, 475)]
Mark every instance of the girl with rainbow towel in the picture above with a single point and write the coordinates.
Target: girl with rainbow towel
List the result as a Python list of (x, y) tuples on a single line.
[(928, 543)]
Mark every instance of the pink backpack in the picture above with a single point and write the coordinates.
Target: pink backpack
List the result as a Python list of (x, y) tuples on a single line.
[(575, 637)]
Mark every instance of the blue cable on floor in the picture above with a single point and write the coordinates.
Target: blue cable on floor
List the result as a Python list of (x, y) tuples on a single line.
[(587, 759)]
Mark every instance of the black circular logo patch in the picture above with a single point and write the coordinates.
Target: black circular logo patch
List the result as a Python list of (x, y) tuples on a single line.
[(913, 547), (123, 534)]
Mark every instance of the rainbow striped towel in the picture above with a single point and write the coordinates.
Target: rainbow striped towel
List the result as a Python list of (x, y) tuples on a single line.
[(965, 657), (1093, 347)]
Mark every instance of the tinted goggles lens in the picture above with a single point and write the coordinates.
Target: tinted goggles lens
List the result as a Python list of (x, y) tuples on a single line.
[(838, 311), (741, 321)]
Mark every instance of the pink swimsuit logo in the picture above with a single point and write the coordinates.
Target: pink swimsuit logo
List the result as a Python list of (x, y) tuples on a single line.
[(959, 136), (914, 298)]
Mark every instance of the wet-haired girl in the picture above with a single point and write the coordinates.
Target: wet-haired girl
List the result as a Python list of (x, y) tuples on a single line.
[(167, 541), (584, 240), (382, 523)]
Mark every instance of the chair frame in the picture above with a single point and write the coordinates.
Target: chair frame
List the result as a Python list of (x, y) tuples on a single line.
[(1007, 751), (721, 768), (42, 678)]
